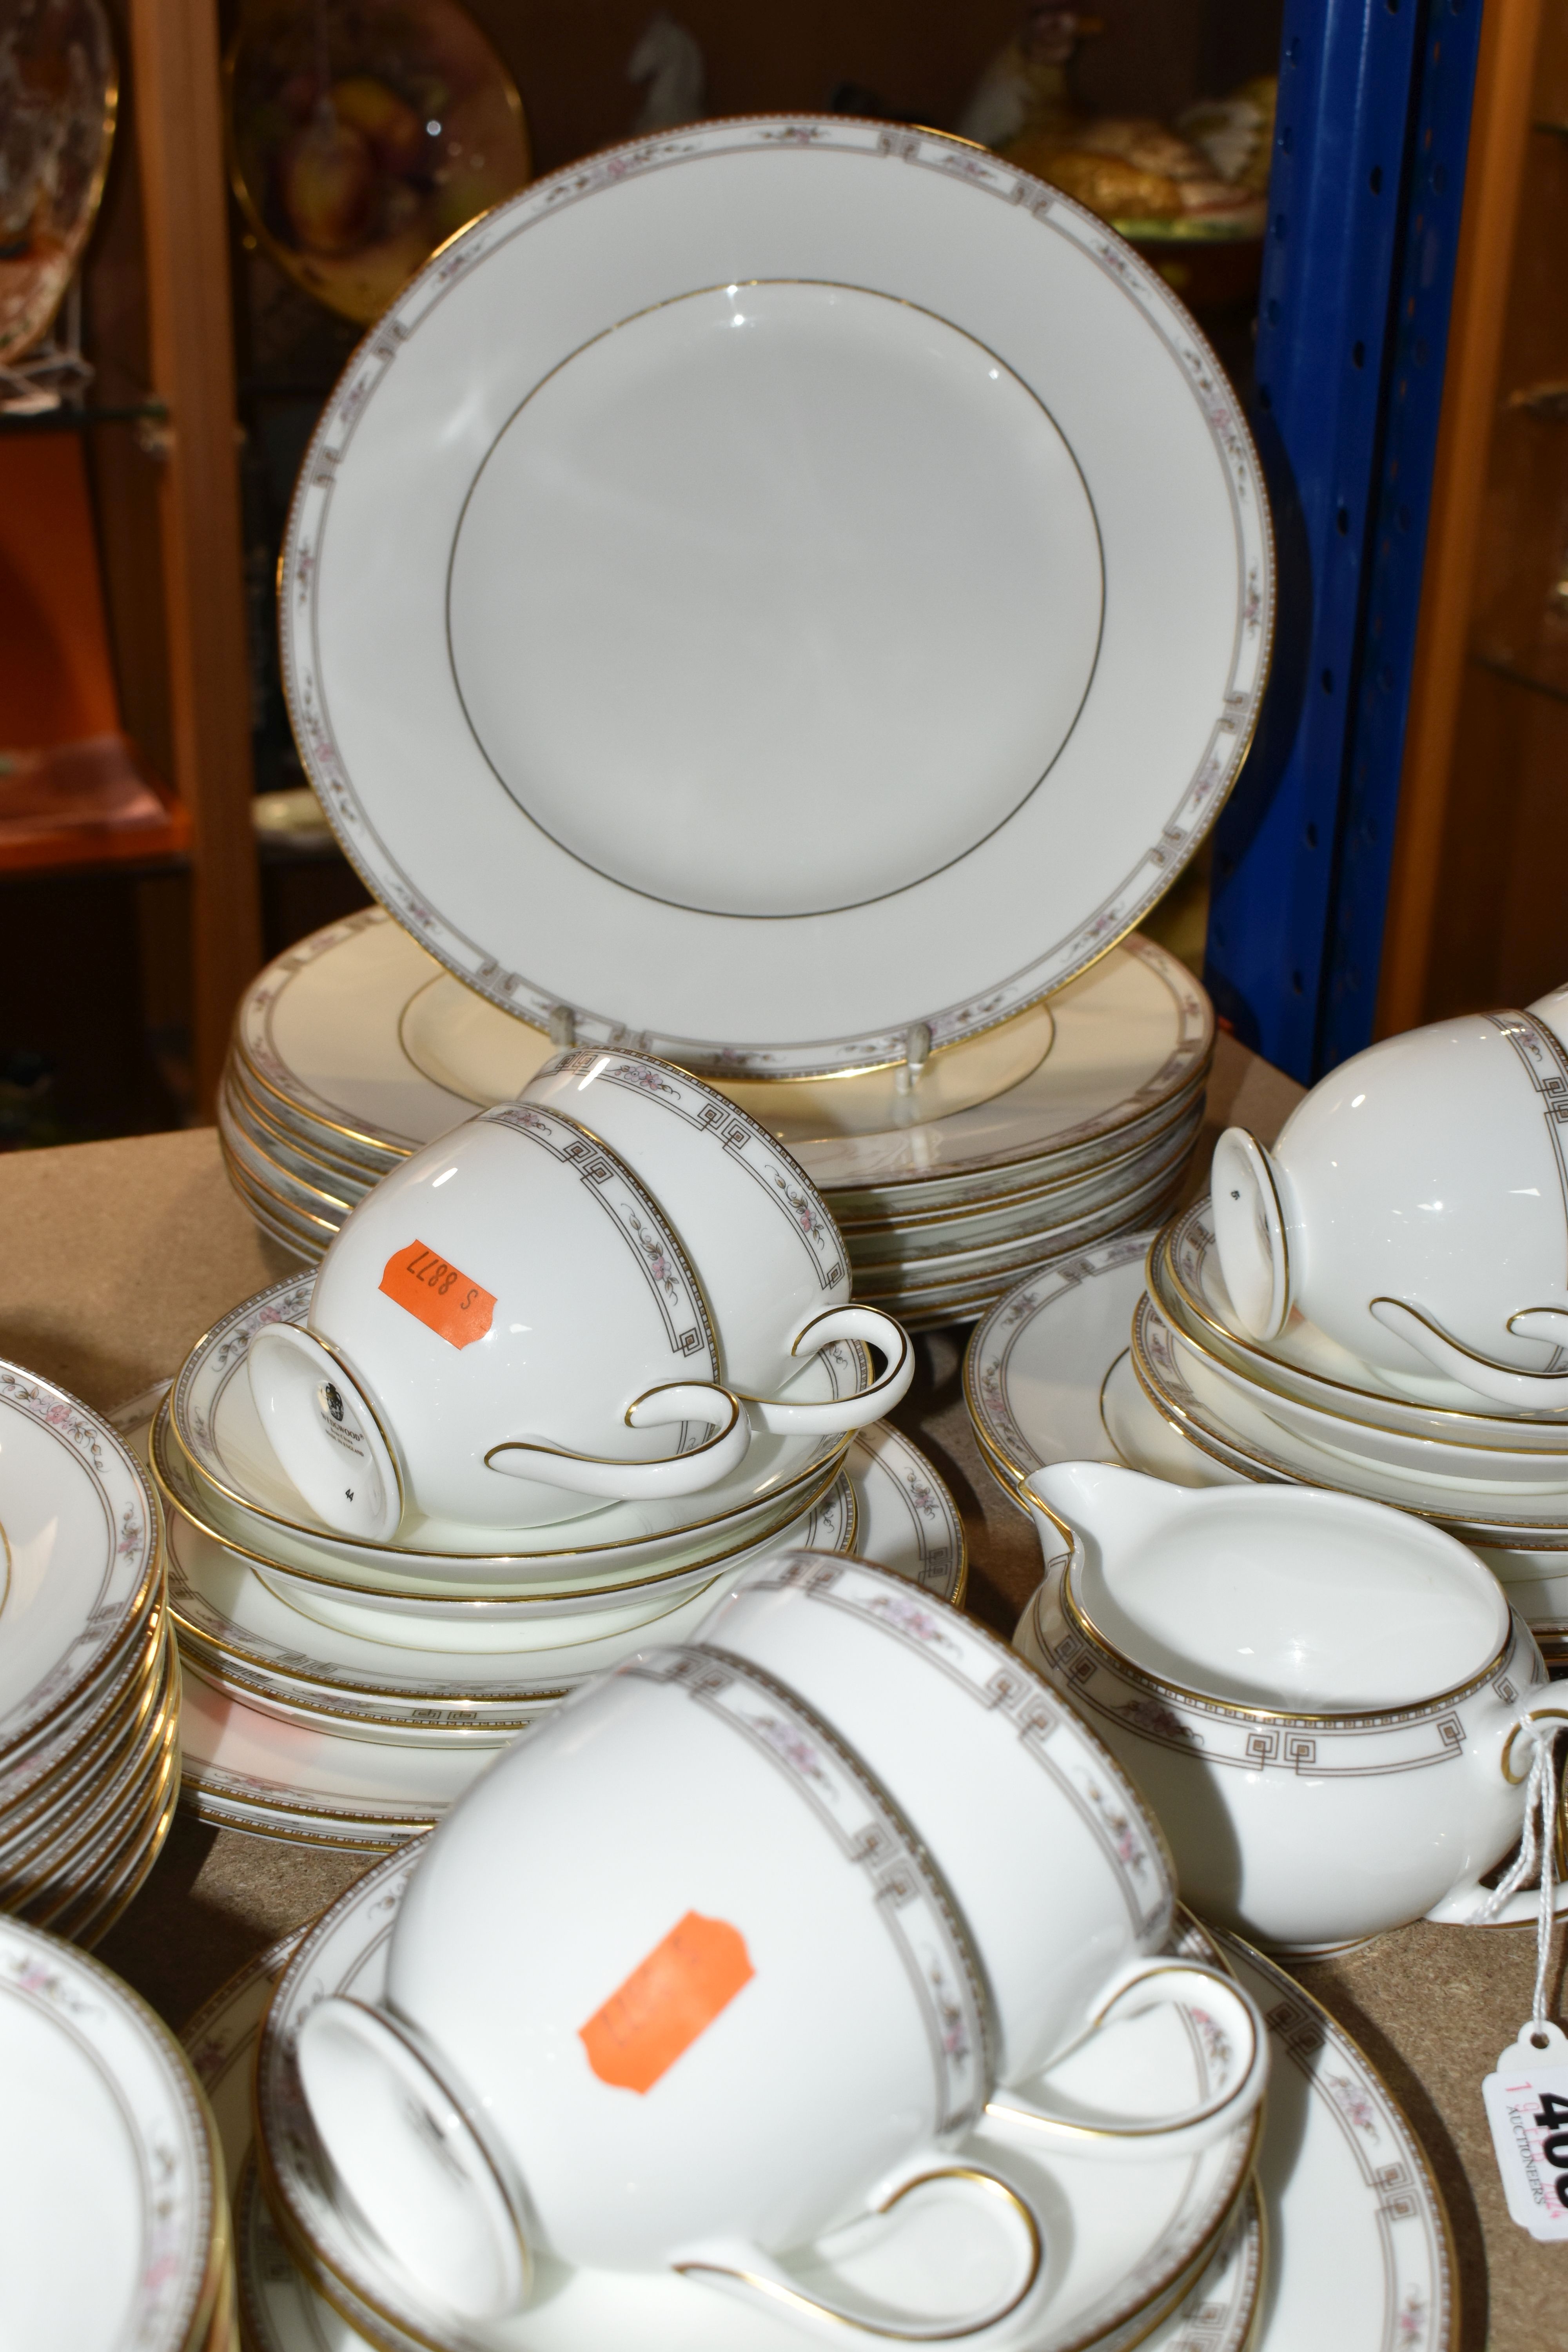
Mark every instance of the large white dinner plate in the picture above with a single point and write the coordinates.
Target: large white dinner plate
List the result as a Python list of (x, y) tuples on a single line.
[(79, 1550), (107, 2198), (323, 1079), (774, 584)]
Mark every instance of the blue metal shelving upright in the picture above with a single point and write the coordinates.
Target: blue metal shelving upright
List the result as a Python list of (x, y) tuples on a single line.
[(1363, 214)]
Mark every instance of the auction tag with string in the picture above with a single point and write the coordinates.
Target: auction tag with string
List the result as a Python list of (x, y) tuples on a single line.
[(1527, 2107)]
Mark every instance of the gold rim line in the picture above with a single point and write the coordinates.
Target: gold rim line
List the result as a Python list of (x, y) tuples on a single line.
[(76, 1826), (305, 1576), (88, 1783), (102, 1727), (391, 1152), (1329, 2026), (1128, 1214), (793, 2300), (150, 1799), (1163, 1280), (1018, 1233), (1276, 1471), (1027, 1195), (1102, 1129), (284, 258), (1163, 1244), (163, 1417), (107, 1669), (1355, 1719), (247, 1105), (163, 1422), (237, 1145)]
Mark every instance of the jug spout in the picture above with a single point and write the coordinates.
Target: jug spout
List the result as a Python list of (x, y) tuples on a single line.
[(1107, 1508)]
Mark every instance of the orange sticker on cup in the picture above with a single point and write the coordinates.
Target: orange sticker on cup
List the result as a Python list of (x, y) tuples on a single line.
[(667, 2001), (435, 1290)]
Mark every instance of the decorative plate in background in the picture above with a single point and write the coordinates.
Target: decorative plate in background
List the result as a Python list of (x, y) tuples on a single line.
[(58, 92), (363, 134)]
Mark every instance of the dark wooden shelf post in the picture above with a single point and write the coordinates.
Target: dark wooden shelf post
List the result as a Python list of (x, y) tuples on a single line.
[(179, 139)]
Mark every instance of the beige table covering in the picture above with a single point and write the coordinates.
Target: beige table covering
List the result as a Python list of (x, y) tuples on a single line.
[(117, 1256)]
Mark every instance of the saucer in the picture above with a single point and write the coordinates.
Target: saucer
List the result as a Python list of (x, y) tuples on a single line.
[(1358, 2251), (1226, 1424), (79, 1558), (332, 1764), (1306, 1364), (283, 2313), (233, 1476), (1113, 2264), (112, 2191)]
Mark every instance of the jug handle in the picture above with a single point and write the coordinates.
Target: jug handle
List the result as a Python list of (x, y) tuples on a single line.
[(1231, 2030), (737, 2267), (1498, 1383), (1457, 1908), (779, 1417), (722, 1451)]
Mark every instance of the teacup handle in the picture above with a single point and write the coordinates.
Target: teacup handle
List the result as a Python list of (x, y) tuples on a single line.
[(1498, 1383), (1235, 2047), (738, 2268), (641, 1482), (781, 1418), (324, 1432)]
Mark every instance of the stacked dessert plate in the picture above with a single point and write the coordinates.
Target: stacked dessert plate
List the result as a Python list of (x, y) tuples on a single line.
[(112, 2182), (89, 1691), (347, 1691), (355, 1049), (1327, 2255), (1136, 1354)]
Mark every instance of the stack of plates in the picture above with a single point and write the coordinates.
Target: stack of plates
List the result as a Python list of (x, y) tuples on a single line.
[(1111, 1358), (111, 2170), (355, 1049), (347, 1693), (836, 610), (89, 1702), (1353, 2249)]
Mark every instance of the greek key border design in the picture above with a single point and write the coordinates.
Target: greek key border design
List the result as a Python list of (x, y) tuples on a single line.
[(663, 1264), (919, 1916), (781, 1176), (1004, 1685)]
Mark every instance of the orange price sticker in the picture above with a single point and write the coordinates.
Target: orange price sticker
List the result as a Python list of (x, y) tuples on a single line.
[(455, 1308), (667, 2001)]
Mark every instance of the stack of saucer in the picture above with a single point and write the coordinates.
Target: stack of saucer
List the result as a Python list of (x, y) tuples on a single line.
[(1108, 1358), (117, 2228), (347, 1691), (88, 1703), (355, 1048), (751, 1825), (1334, 2265)]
